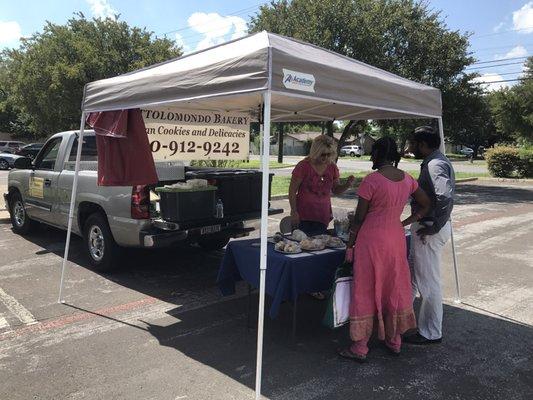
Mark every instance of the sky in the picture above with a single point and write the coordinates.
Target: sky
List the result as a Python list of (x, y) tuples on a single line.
[(501, 29)]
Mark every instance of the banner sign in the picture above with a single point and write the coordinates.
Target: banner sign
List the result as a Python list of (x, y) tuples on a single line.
[(197, 135)]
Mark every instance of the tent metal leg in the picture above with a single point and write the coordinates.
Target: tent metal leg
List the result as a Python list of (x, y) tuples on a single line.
[(264, 232), (71, 210), (457, 299), (455, 268)]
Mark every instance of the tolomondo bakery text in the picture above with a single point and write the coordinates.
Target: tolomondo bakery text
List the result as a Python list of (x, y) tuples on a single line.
[(191, 118)]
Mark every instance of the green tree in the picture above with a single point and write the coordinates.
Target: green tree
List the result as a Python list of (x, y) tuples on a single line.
[(404, 37), (512, 109), (46, 74)]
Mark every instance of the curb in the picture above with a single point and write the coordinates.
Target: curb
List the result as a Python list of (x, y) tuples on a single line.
[(503, 180), (464, 180)]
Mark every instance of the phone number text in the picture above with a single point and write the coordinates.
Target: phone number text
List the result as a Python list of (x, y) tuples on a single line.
[(192, 147)]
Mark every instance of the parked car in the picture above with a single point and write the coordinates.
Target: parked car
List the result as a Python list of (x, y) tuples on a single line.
[(466, 151), (111, 217), (351, 150), (10, 146), (30, 150), (7, 160)]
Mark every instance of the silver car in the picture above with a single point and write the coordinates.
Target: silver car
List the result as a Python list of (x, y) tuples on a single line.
[(10, 146), (7, 160), (351, 150)]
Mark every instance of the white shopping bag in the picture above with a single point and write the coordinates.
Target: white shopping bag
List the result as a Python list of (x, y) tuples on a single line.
[(341, 301)]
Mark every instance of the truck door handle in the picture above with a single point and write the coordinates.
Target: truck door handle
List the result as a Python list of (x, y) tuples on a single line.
[(47, 182)]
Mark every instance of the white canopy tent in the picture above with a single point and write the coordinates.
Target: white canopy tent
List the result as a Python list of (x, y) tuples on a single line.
[(286, 79)]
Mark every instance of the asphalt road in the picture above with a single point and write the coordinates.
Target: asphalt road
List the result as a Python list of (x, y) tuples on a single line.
[(159, 329), (356, 165)]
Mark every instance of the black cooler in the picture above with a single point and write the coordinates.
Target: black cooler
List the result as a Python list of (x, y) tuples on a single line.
[(239, 190), (182, 205)]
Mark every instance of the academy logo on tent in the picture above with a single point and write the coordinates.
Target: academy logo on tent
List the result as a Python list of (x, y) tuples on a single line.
[(298, 81)]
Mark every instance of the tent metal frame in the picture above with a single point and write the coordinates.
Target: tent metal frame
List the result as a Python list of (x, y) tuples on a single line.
[(266, 96)]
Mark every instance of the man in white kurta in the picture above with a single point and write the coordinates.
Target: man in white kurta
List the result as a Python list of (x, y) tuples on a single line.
[(430, 234)]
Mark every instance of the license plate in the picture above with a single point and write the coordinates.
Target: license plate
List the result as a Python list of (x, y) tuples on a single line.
[(209, 229)]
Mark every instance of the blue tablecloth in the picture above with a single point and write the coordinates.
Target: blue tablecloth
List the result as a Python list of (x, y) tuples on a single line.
[(287, 276)]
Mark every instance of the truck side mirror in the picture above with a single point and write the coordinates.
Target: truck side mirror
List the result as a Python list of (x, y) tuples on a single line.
[(23, 163)]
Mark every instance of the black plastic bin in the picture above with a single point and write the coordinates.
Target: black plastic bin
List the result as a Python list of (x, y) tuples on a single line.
[(180, 205), (239, 190)]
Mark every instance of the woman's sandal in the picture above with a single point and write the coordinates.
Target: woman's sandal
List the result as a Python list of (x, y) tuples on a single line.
[(318, 295), (349, 354)]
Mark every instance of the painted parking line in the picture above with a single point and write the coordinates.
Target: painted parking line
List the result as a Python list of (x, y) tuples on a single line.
[(16, 308)]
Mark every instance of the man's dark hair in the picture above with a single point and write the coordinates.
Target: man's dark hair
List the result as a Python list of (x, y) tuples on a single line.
[(428, 135)]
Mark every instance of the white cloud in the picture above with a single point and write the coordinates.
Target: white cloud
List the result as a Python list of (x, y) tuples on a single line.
[(499, 27), (10, 32), (491, 77), (523, 18), (517, 51), (215, 28), (181, 43), (102, 9)]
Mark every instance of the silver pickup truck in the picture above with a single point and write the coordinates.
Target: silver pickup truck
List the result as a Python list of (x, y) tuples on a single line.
[(111, 217)]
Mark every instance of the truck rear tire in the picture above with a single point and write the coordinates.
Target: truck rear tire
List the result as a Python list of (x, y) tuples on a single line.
[(22, 224), (102, 251), (215, 241)]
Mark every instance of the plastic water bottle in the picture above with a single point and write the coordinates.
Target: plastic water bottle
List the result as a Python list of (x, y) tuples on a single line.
[(219, 209)]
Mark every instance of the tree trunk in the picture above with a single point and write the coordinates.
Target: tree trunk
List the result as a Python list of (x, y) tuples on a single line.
[(280, 142), (345, 133), (329, 128), (403, 143)]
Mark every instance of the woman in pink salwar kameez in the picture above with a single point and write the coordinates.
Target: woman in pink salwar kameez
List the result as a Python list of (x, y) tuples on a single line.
[(381, 293)]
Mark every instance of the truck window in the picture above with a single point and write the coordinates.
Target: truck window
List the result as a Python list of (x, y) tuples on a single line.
[(48, 157), (88, 151)]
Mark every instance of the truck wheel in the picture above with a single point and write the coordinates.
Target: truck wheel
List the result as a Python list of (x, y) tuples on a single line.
[(215, 241), (22, 224), (4, 164), (101, 248)]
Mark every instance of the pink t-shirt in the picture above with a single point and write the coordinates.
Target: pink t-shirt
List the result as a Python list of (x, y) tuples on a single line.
[(313, 201)]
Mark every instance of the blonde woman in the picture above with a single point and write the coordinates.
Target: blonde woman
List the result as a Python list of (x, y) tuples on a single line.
[(313, 181)]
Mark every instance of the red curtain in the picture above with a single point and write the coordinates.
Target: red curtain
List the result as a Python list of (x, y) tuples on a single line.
[(124, 156)]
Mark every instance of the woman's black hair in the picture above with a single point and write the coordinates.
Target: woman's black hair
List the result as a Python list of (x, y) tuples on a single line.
[(385, 150)]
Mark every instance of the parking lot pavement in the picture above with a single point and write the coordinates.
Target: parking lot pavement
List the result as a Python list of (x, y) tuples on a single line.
[(158, 328)]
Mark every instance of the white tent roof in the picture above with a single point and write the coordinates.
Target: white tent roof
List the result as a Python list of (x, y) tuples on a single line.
[(307, 83)]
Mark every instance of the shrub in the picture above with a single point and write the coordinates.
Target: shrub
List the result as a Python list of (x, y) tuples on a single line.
[(503, 161), (525, 164)]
